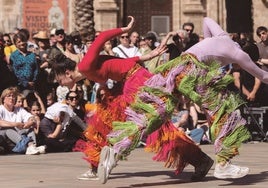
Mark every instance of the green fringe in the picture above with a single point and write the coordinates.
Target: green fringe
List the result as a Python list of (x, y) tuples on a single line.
[(181, 60), (228, 105), (186, 87), (232, 142), (154, 120), (129, 128)]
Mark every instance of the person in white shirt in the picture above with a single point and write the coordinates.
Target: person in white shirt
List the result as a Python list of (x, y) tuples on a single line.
[(124, 49), (17, 124)]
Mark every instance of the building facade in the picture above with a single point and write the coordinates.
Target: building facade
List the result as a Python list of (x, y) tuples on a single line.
[(157, 15)]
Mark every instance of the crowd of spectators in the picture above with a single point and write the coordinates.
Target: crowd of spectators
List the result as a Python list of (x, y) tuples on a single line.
[(37, 115)]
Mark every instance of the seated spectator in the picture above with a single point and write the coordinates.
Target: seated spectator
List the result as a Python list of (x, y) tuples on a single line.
[(50, 99), (20, 102), (53, 128), (77, 121), (72, 99), (180, 120), (61, 92), (17, 124), (199, 120)]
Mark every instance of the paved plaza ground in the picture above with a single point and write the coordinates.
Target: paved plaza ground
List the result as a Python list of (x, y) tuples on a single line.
[(59, 170)]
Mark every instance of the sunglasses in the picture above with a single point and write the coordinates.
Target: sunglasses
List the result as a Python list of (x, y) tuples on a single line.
[(72, 98), (188, 30), (122, 37), (7, 41)]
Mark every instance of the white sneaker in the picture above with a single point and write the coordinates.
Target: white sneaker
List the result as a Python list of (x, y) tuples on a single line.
[(88, 175), (106, 164), (230, 171), (42, 149), (32, 150)]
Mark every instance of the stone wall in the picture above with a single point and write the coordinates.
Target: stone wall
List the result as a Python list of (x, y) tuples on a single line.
[(109, 13)]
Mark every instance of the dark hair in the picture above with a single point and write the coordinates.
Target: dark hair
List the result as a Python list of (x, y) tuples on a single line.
[(176, 38), (68, 94), (59, 32), (189, 24), (20, 36), (260, 29), (61, 63), (69, 39), (25, 32)]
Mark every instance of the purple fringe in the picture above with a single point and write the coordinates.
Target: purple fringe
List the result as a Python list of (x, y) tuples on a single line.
[(156, 81), (113, 134), (138, 119), (170, 80), (146, 97), (122, 145), (233, 120)]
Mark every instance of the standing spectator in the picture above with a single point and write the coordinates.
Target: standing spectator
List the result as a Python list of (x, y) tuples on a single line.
[(262, 33), (24, 64), (151, 39), (193, 37), (124, 49), (248, 85), (188, 27), (7, 76), (43, 84), (70, 51), (9, 46), (134, 39), (175, 48), (31, 46), (59, 47), (79, 47)]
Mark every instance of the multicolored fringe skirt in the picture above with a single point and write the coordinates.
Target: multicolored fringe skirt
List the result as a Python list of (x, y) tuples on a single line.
[(100, 124), (154, 103)]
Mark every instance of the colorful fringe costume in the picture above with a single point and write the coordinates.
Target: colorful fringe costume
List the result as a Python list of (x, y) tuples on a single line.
[(147, 101), (155, 102)]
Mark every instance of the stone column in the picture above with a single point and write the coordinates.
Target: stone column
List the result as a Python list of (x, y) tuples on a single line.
[(105, 14), (193, 11)]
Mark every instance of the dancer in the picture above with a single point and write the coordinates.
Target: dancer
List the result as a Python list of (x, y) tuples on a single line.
[(196, 75), (132, 76), (181, 149)]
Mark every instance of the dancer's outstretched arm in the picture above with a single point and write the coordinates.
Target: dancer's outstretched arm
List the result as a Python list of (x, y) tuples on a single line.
[(90, 61), (211, 28)]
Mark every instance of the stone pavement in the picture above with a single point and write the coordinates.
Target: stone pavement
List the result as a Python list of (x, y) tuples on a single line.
[(59, 170)]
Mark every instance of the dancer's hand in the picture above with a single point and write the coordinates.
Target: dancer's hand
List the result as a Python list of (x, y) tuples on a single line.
[(162, 48), (130, 24), (159, 50)]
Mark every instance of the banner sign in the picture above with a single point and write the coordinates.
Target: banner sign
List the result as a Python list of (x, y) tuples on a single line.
[(45, 15)]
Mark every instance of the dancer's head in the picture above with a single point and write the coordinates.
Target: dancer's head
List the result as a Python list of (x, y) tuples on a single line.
[(64, 69)]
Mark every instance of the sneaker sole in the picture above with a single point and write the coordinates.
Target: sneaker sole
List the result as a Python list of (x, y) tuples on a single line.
[(103, 173), (88, 179), (219, 176)]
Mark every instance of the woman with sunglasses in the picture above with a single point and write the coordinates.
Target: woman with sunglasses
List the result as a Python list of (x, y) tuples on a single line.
[(9, 46)]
